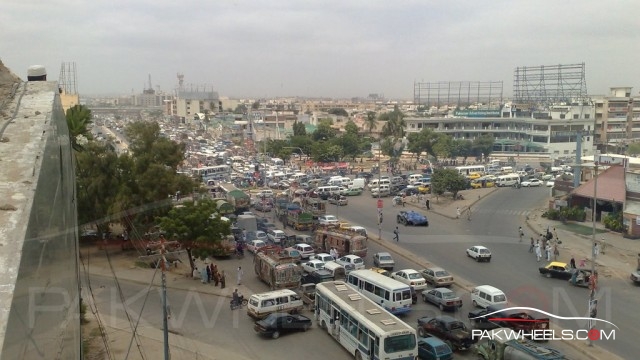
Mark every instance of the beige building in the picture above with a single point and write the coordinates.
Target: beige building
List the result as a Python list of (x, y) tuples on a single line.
[(617, 118)]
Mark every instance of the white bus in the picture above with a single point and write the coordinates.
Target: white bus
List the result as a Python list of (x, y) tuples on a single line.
[(211, 172), (392, 295), (466, 170), (363, 328)]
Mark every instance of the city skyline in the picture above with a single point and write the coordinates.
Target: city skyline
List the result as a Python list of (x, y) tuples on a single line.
[(330, 49)]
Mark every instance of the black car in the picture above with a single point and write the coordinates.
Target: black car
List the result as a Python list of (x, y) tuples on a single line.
[(278, 323), (266, 226), (408, 191)]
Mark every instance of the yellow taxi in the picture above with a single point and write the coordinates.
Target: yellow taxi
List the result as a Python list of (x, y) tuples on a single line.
[(478, 183), (474, 176)]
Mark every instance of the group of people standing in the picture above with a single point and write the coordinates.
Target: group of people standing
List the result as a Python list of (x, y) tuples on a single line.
[(545, 246), (210, 273)]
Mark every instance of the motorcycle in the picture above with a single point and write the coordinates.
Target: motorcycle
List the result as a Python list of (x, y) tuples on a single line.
[(238, 305)]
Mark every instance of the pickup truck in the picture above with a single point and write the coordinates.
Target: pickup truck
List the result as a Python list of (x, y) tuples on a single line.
[(450, 330), (502, 316), (499, 348)]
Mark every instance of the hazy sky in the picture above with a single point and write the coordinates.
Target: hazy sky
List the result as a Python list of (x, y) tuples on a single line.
[(333, 48)]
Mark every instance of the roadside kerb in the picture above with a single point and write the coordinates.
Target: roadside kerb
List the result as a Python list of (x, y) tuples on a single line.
[(473, 202), (593, 352)]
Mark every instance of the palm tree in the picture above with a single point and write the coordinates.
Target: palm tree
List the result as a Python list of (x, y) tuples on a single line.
[(78, 121), (371, 122)]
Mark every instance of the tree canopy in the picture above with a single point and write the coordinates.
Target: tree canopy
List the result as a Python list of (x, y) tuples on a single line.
[(78, 121), (450, 180), (338, 111), (130, 187), (198, 226)]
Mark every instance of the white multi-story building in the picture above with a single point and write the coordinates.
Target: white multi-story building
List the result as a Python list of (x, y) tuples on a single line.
[(552, 131)]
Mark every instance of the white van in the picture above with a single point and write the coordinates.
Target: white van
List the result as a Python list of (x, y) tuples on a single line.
[(357, 183), (346, 182), (360, 230), (374, 183), (261, 305), (485, 295), (414, 177), (329, 189), (506, 169), (508, 180), (338, 272), (297, 176)]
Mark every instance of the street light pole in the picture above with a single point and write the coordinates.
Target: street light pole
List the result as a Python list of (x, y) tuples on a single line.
[(592, 282)]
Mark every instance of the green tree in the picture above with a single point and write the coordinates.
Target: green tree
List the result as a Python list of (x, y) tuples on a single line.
[(461, 148), (255, 105), (303, 142), (633, 148), (197, 226), (299, 129), (449, 180), (443, 146), (483, 146), (371, 121), (350, 145), (240, 109), (325, 151), (338, 111), (324, 132), (423, 141), (78, 121), (351, 128)]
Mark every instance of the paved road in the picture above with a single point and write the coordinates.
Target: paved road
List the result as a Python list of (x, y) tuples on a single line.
[(494, 224)]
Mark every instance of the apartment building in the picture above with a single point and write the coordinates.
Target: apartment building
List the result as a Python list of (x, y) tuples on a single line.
[(552, 131), (617, 118)]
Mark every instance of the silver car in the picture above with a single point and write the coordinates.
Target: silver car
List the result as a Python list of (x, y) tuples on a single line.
[(383, 260), (443, 298)]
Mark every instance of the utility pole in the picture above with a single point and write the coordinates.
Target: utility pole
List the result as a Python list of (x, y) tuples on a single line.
[(379, 200), (165, 315)]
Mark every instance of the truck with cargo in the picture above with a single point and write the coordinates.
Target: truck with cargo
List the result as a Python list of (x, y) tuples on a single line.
[(247, 223), (277, 271), (299, 220), (500, 348), (315, 206), (345, 241)]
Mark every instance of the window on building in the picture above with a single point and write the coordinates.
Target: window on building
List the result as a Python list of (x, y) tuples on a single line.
[(420, 126), (413, 126), (566, 152), (586, 116), (561, 116), (575, 116)]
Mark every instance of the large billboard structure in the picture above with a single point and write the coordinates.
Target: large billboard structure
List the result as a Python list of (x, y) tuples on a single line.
[(461, 94), (550, 84)]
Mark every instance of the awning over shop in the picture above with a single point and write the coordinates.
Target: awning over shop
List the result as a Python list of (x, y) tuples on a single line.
[(224, 207)]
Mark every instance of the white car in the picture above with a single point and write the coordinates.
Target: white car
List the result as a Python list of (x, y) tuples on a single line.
[(313, 265), (354, 260), (276, 236), (255, 245), (410, 277), (305, 250), (550, 183), (265, 193), (531, 183), (479, 253), (324, 257), (328, 220)]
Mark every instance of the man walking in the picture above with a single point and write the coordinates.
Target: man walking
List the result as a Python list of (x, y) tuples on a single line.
[(428, 204), (520, 233), (538, 252), (532, 246), (457, 213), (240, 273), (572, 262), (469, 213), (396, 235)]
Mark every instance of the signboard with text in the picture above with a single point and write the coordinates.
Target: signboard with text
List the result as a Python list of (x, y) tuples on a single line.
[(477, 113)]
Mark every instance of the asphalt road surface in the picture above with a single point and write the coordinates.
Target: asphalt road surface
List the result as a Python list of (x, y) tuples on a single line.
[(494, 223)]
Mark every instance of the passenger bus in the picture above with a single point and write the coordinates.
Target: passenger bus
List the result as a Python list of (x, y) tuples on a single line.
[(392, 295), (466, 170), (362, 327), (211, 172)]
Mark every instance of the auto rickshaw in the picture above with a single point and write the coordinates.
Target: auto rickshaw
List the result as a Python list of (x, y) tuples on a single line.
[(580, 277)]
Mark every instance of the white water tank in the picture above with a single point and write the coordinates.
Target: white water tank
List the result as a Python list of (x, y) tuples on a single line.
[(36, 73)]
